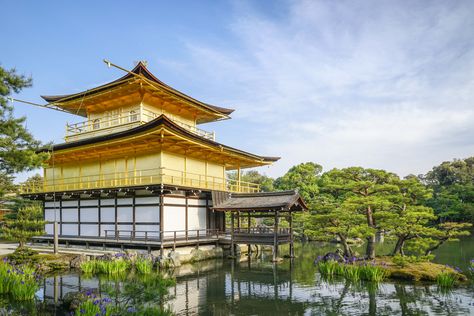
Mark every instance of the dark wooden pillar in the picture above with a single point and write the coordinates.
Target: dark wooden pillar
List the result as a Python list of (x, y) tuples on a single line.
[(292, 250), (162, 209), (275, 237), (238, 220), (232, 250), (248, 230)]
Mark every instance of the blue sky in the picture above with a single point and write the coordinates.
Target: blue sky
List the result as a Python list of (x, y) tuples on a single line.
[(382, 84)]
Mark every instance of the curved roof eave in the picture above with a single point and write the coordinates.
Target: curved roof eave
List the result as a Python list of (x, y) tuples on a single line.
[(161, 120), (141, 70)]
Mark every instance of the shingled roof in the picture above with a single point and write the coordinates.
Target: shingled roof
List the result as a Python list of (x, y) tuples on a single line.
[(140, 69), (261, 201)]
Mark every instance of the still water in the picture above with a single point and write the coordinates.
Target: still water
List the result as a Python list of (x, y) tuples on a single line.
[(258, 287)]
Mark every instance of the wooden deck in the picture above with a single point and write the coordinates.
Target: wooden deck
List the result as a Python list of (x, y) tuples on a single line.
[(125, 239)]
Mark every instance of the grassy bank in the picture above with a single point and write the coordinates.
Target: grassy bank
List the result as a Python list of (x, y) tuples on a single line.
[(389, 268)]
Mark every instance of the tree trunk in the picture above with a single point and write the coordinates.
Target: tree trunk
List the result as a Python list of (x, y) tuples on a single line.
[(347, 249), (431, 249), (370, 250), (399, 246)]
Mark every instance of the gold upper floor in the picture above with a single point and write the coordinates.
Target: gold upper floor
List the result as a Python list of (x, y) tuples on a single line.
[(139, 131), (124, 118)]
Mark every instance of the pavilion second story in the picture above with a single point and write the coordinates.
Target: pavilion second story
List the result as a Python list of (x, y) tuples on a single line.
[(130, 101)]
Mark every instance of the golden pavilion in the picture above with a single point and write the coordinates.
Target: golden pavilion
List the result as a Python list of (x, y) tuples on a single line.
[(140, 170)]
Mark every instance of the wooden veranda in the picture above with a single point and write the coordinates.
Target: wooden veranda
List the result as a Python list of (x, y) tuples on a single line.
[(274, 205)]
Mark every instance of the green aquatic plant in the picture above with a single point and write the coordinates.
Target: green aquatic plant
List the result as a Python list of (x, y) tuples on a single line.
[(23, 289), (144, 265), (21, 282), (112, 266), (447, 279), (89, 266), (372, 272), (352, 272), (328, 268), (93, 306)]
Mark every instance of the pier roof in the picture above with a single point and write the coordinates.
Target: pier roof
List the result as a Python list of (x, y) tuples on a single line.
[(260, 201)]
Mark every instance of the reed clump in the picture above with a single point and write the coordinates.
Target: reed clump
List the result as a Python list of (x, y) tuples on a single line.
[(21, 282)]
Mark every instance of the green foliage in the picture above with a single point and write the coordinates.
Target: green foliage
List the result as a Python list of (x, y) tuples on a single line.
[(447, 279), (303, 177), (142, 294), (112, 266), (18, 145), (18, 281), (403, 261), (453, 186), (253, 176), (447, 231), (94, 307), (409, 219), (144, 265), (373, 273), (28, 223), (350, 203), (23, 255), (89, 267), (328, 268), (352, 271)]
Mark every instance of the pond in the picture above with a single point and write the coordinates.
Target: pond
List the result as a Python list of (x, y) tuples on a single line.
[(258, 287)]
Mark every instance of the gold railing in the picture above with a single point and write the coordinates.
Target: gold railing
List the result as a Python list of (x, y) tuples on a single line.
[(116, 123), (139, 178)]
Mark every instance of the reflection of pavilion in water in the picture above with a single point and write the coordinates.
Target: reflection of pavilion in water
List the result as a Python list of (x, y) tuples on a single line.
[(214, 287), (225, 287), (239, 288)]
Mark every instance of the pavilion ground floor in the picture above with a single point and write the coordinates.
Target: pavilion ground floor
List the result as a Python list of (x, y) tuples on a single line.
[(163, 217)]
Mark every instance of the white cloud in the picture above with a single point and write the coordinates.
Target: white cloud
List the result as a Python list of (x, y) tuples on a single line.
[(374, 83)]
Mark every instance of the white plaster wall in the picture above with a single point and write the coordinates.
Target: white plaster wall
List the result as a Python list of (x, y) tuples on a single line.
[(174, 219), (147, 214), (124, 201), (103, 228), (174, 200), (196, 219), (51, 204), (89, 230), (107, 214), (70, 229), (124, 214), (89, 215), (49, 215), (197, 202), (147, 200), (69, 215), (107, 202), (70, 203), (153, 231), (89, 202), (49, 228)]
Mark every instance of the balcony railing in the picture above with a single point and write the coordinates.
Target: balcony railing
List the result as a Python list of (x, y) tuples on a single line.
[(112, 124), (139, 178)]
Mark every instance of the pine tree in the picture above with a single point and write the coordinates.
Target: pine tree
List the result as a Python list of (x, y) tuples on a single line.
[(28, 223), (17, 146), (369, 192)]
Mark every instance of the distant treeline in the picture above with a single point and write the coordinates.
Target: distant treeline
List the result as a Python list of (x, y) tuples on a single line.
[(451, 186)]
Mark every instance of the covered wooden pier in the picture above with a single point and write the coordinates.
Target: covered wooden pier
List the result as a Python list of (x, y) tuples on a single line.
[(274, 205)]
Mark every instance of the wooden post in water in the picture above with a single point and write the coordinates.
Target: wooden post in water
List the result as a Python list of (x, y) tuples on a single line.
[(249, 250), (232, 250), (275, 237), (56, 238), (292, 250)]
